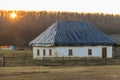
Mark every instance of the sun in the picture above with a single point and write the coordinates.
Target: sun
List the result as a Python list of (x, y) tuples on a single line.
[(13, 15)]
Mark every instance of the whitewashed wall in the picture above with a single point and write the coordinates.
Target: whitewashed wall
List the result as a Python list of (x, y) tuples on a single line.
[(77, 51)]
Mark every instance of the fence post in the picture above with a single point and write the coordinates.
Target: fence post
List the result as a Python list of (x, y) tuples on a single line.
[(4, 61), (13, 55), (24, 61), (70, 61), (79, 62), (43, 60), (25, 54), (100, 62), (86, 61), (104, 61), (62, 60)]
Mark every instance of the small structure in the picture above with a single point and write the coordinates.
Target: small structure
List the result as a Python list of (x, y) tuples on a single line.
[(72, 39), (6, 47), (116, 48)]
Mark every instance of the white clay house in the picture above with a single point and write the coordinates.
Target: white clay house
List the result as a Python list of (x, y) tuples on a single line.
[(72, 38)]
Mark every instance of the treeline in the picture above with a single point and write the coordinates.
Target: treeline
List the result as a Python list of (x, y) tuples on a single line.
[(27, 25)]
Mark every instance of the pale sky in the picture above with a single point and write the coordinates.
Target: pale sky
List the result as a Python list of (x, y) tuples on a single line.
[(99, 6)]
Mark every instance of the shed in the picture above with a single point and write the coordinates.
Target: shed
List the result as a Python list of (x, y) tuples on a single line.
[(7, 47), (72, 39), (116, 47)]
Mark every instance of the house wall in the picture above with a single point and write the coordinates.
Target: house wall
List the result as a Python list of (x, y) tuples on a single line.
[(77, 51)]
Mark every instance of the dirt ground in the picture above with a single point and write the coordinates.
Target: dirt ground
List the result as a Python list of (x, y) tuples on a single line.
[(61, 73)]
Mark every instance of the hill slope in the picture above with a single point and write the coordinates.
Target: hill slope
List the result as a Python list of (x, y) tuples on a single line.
[(27, 25)]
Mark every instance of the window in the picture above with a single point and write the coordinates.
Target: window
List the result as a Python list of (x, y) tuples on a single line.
[(50, 52), (38, 52), (70, 52), (89, 52), (44, 53)]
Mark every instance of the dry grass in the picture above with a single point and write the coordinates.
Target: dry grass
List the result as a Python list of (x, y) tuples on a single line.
[(57, 72), (60, 73), (16, 53)]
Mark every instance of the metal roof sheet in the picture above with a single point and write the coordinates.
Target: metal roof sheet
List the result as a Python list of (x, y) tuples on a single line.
[(71, 33)]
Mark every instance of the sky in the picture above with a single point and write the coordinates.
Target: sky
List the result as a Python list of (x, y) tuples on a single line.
[(92, 6)]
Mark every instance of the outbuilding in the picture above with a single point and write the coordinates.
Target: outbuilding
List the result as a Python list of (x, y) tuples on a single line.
[(116, 47), (7, 47), (72, 39)]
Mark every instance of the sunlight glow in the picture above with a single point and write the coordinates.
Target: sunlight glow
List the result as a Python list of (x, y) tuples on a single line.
[(13, 15), (99, 6)]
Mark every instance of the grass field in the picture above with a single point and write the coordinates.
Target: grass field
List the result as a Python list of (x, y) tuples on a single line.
[(16, 53), (108, 72), (60, 73)]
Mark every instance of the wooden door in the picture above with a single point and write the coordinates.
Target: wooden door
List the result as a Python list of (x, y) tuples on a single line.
[(104, 52)]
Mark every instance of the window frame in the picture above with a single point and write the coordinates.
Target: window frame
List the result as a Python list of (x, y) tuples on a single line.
[(70, 52), (44, 52), (50, 52), (90, 52), (38, 52)]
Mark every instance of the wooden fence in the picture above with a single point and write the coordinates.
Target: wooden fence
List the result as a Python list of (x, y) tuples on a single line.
[(58, 61)]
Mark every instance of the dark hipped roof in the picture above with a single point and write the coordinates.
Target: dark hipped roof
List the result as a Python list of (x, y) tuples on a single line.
[(71, 33)]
